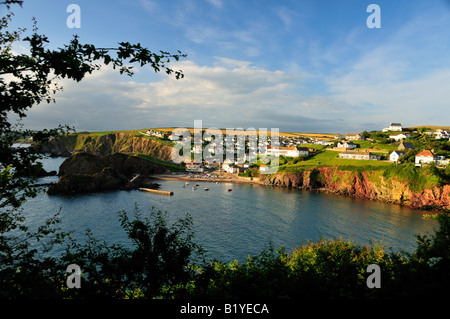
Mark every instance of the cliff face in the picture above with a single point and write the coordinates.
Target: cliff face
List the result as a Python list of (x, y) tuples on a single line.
[(366, 185), (84, 172), (107, 144)]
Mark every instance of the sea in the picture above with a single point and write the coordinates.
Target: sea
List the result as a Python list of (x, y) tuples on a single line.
[(232, 221)]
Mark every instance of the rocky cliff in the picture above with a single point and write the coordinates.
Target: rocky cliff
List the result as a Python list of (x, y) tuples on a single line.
[(84, 172), (366, 184), (103, 145)]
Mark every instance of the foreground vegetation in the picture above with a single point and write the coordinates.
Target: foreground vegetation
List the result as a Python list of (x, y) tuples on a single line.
[(163, 261)]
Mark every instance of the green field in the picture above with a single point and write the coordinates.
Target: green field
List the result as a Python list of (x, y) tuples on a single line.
[(331, 158)]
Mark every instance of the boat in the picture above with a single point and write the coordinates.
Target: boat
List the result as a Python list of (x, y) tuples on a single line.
[(229, 189), (206, 189)]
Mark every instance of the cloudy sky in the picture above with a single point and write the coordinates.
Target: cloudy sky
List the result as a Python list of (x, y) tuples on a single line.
[(300, 65)]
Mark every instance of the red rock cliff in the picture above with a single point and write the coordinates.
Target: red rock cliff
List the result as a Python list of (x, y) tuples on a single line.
[(363, 184)]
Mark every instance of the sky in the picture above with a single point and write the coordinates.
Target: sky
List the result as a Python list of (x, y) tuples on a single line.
[(298, 66)]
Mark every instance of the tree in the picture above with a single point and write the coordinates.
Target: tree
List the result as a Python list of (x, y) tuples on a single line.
[(158, 259), (32, 79), (25, 81)]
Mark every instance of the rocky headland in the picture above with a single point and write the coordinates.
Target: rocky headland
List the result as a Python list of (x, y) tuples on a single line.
[(84, 172)]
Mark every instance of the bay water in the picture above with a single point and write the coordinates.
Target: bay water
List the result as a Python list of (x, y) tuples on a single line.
[(233, 224)]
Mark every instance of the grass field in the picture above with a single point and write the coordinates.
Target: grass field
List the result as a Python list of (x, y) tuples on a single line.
[(331, 158)]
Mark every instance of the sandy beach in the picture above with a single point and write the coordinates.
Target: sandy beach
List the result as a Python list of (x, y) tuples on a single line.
[(216, 177)]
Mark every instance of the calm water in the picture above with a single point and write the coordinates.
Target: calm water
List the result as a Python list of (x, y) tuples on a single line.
[(232, 225)]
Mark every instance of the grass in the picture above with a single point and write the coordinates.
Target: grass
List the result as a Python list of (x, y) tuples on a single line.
[(170, 166), (331, 158), (314, 146)]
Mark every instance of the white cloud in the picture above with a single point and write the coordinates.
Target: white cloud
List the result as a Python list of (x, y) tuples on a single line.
[(229, 93), (216, 3)]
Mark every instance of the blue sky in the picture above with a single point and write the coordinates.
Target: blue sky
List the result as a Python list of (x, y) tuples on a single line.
[(303, 66)]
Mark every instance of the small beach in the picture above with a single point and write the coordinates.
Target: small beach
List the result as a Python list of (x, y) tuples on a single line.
[(221, 177)]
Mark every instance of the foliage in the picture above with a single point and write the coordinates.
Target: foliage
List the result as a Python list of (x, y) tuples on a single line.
[(24, 267), (26, 80), (330, 268), (417, 178), (158, 259)]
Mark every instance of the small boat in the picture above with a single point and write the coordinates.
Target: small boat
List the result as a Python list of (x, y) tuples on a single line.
[(197, 185), (229, 189), (206, 189)]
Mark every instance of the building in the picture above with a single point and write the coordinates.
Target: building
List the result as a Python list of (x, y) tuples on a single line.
[(399, 137), (442, 161), (233, 168), (292, 151), (322, 141), (264, 168), (395, 155), (359, 155), (424, 157), (441, 134), (194, 167), (355, 137), (396, 127), (405, 146), (347, 145), (303, 151)]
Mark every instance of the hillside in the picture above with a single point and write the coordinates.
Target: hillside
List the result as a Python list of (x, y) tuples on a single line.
[(433, 127), (288, 134)]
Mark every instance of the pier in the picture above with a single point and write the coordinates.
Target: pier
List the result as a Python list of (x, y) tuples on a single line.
[(155, 191)]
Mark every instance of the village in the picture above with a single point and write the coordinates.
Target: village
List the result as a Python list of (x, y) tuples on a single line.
[(392, 145)]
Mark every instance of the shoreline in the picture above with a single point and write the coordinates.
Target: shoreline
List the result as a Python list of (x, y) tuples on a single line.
[(212, 178), (231, 178)]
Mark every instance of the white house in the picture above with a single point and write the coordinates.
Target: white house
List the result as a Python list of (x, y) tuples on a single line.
[(359, 155), (292, 151), (231, 168), (264, 168), (345, 144), (397, 127), (399, 137), (355, 137), (394, 156), (424, 157), (441, 134)]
